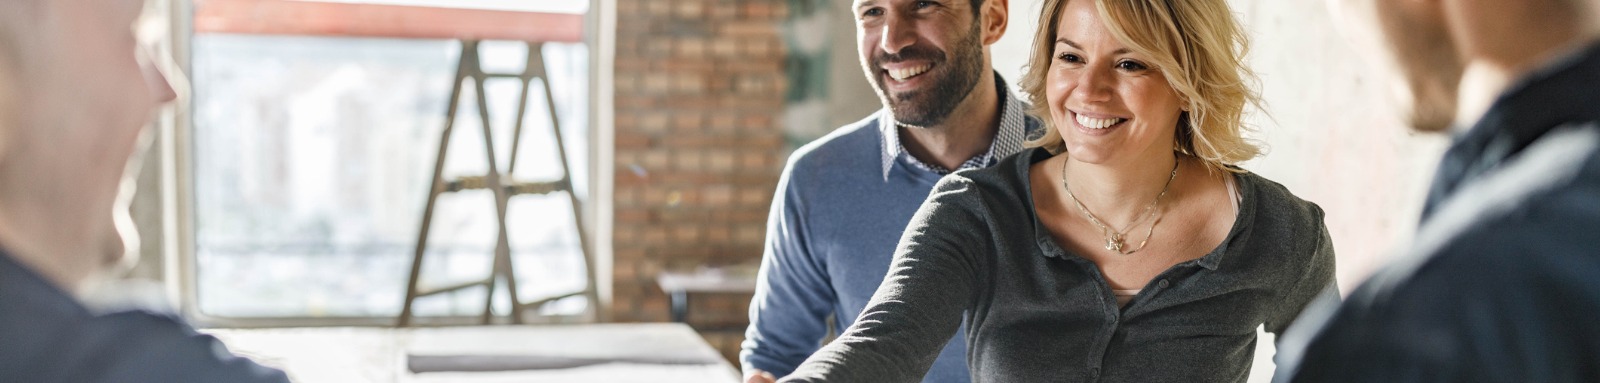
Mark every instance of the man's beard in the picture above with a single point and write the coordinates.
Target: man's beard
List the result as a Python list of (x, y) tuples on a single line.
[(931, 106)]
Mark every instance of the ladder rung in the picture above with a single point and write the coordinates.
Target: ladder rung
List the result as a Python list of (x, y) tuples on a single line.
[(538, 188), (450, 288), (545, 300), (514, 188)]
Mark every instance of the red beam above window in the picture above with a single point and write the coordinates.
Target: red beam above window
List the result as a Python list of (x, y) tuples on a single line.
[(287, 17)]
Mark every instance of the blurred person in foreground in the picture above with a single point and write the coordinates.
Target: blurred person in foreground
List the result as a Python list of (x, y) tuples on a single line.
[(76, 92), (1502, 282), (1126, 245)]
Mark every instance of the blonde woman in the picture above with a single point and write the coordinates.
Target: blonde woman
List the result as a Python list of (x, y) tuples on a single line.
[(1125, 245)]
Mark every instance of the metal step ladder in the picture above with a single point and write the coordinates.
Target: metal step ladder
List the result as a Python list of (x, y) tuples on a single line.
[(503, 187)]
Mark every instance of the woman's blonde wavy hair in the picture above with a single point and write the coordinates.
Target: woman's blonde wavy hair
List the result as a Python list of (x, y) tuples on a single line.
[(1196, 44)]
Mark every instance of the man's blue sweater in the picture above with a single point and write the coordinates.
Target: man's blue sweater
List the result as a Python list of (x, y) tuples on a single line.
[(840, 220), (835, 221)]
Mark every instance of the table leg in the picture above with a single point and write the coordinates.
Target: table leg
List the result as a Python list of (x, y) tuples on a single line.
[(680, 306)]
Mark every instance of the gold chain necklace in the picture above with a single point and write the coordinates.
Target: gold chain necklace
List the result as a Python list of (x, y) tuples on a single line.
[(1114, 238)]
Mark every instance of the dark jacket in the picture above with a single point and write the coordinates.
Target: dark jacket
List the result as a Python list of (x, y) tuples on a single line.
[(46, 336), (1503, 281)]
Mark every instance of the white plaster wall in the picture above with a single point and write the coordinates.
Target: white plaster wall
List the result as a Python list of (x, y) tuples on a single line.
[(1334, 133)]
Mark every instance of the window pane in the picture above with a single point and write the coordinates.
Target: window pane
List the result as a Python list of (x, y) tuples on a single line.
[(312, 160)]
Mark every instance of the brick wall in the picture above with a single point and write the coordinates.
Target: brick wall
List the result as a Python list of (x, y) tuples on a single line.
[(699, 86)]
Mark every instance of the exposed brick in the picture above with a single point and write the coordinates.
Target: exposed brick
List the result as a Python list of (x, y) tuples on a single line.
[(625, 270), (689, 85), (724, 47), (656, 83), (630, 143), (753, 160), (759, 47), (754, 65), (721, 161), (625, 102), (752, 84), (689, 10), (650, 267), (655, 160), (691, 47), (753, 197), (759, 10), (699, 86), (699, 141), (738, 214), (658, 48), (632, 216), (719, 234), (654, 309), (683, 122), (780, 10), (721, 122), (756, 121), (683, 215), (688, 160), (749, 28), (654, 8), (686, 65), (686, 233), (655, 235), (718, 195), (748, 234), (627, 197), (630, 66), (630, 254), (724, 12)]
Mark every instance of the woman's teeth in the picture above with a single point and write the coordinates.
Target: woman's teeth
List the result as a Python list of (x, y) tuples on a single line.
[(905, 73), (1098, 123)]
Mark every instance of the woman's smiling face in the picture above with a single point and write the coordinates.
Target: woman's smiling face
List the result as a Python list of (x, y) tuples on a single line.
[(1108, 102)]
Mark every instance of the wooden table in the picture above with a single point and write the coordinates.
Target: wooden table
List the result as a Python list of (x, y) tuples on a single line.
[(640, 352)]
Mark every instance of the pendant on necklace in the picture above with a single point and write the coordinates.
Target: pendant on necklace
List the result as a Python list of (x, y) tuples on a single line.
[(1114, 242)]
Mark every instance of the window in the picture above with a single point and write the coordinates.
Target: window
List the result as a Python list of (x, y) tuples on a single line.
[(312, 157)]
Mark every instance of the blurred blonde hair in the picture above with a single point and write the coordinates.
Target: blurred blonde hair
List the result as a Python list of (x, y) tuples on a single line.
[(1196, 44)]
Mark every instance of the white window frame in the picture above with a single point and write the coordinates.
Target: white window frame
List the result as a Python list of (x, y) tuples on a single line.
[(169, 165)]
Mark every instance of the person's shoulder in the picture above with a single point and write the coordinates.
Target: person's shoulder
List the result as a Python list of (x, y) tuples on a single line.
[(1538, 229), (1529, 272), (848, 146), (39, 328), (1542, 202), (1007, 174), (1276, 205), (1511, 253), (1277, 200), (1006, 183), (145, 346), (1532, 218), (133, 346)]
